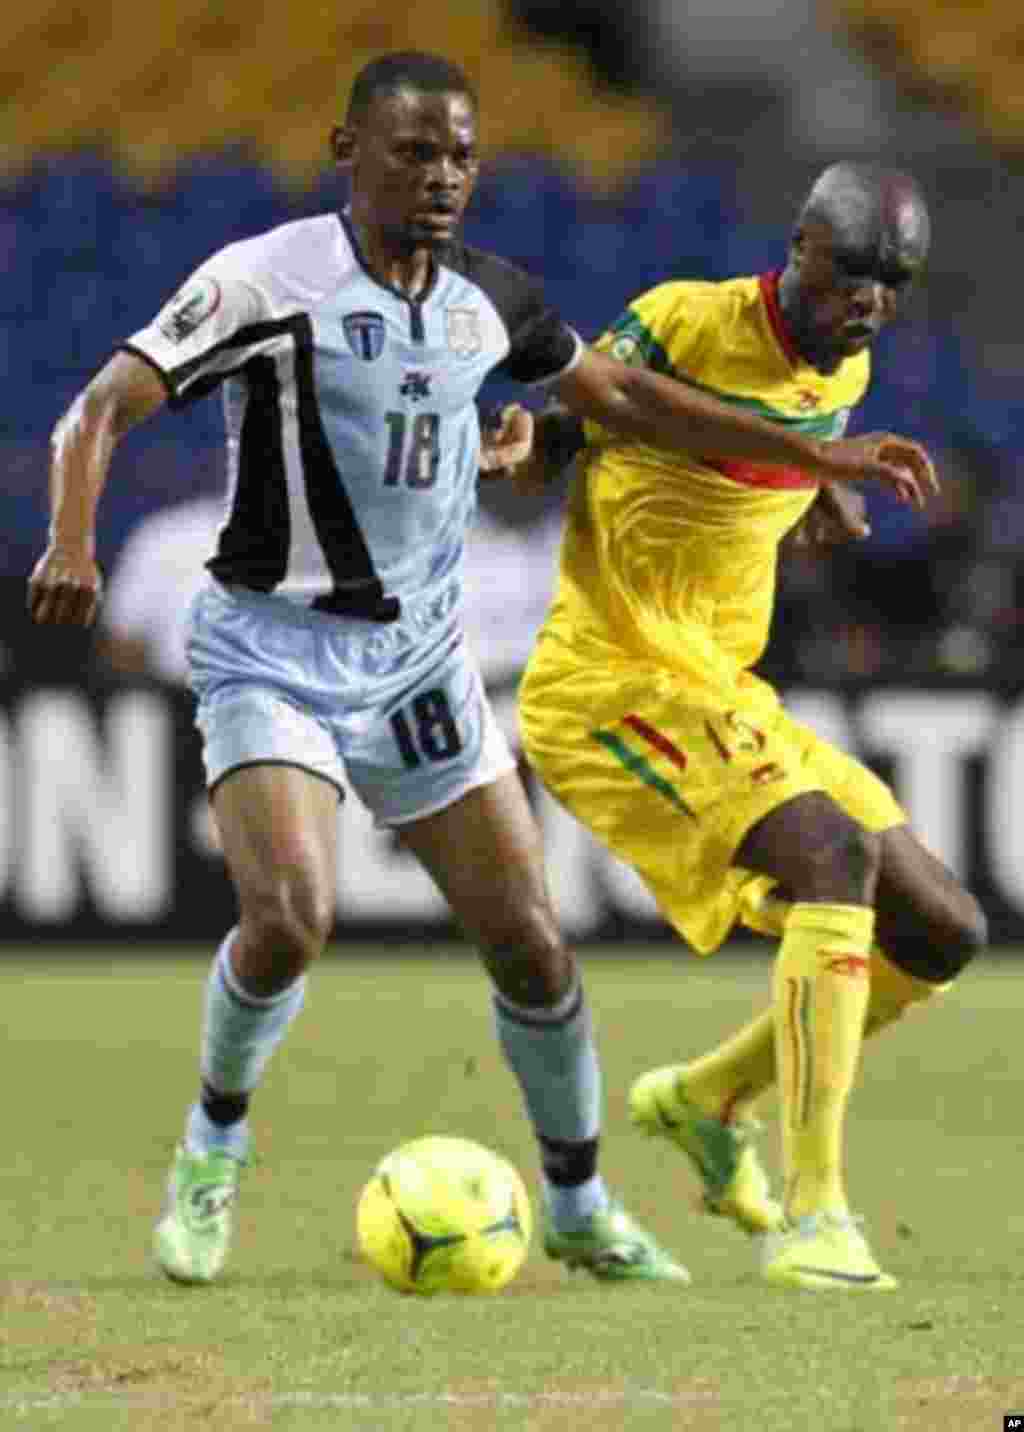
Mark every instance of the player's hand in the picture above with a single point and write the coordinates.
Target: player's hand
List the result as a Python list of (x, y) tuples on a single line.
[(508, 443), (837, 515), (897, 463), (64, 588)]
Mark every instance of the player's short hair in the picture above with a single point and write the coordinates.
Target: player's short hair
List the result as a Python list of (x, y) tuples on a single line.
[(405, 69)]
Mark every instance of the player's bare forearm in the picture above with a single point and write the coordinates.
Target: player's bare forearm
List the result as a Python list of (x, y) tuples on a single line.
[(664, 413), (123, 393), (81, 447), (65, 584)]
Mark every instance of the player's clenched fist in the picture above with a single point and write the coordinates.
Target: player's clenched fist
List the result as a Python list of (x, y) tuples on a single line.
[(506, 442), (64, 588)]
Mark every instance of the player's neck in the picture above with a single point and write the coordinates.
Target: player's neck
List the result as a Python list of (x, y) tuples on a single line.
[(391, 261), (791, 312)]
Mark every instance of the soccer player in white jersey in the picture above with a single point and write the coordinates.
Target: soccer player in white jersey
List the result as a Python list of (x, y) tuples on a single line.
[(325, 651)]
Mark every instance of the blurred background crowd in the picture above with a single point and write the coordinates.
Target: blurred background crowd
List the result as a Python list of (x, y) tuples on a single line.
[(624, 145)]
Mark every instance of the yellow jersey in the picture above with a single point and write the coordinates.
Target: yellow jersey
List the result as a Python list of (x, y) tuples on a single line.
[(670, 558)]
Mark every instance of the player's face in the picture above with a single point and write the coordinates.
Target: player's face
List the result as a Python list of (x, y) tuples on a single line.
[(845, 294), (414, 166)]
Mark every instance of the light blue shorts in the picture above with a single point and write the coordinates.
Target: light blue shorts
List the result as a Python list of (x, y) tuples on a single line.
[(396, 712)]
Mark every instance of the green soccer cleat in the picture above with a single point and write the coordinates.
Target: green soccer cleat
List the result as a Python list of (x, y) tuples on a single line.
[(823, 1250), (613, 1248), (193, 1233), (735, 1184)]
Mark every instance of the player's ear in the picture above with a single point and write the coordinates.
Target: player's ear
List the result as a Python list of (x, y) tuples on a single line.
[(797, 246), (343, 144)]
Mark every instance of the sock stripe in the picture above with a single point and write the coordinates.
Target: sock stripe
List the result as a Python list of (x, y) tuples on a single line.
[(235, 993), (229, 983), (808, 1047), (538, 1019), (794, 1034), (799, 1021), (568, 1163)]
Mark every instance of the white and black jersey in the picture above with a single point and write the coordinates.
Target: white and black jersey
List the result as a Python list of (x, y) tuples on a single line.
[(352, 430)]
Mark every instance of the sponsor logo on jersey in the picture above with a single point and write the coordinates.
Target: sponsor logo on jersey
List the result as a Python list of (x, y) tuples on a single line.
[(465, 336), (190, 307), (415, 384), (365, 334)]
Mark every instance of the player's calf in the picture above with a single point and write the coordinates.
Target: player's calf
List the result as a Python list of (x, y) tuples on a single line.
[(928, 925)]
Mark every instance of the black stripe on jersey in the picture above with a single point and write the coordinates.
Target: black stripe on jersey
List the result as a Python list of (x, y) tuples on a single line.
[(253, 547), (357, 589), (250, 335)]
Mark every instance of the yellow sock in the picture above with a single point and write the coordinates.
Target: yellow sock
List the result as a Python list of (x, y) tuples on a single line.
[(821, 990), (726, 1082), (893, 993)]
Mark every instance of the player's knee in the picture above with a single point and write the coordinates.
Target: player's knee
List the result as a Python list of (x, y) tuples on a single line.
[(970, 929), (964, 935), (527, 959), (289, 922)]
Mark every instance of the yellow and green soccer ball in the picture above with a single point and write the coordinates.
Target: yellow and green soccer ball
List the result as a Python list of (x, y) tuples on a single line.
[(444, 1215)]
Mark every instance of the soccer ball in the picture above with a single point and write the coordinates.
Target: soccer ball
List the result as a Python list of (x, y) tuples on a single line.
[(444, 1215)]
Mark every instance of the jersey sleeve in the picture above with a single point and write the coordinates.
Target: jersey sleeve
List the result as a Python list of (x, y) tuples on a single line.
[(542, 346), (662, 330), (203, 333)]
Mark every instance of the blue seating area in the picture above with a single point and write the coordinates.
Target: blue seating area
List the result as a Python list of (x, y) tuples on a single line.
[(87, 259)]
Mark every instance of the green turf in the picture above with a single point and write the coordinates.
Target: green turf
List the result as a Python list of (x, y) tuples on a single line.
[(98, 1061)]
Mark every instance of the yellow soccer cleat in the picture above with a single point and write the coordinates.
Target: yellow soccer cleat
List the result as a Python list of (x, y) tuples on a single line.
[(823, 1250), (735, 1184)]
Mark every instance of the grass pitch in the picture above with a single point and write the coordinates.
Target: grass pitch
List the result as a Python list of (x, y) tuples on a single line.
[(98, 1062)]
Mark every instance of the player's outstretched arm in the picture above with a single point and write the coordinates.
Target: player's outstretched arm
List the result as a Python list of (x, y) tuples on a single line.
[(65, 584), (662, 412)]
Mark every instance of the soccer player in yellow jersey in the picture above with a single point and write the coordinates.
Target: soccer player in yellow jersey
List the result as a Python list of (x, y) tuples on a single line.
[(641, 713)]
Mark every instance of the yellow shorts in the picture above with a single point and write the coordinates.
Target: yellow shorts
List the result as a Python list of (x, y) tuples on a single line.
[(671, 784)]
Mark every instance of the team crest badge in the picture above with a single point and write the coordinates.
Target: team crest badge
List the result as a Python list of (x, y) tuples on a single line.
[(465, 337), (190, 307), (365, 334), (626, 349)]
